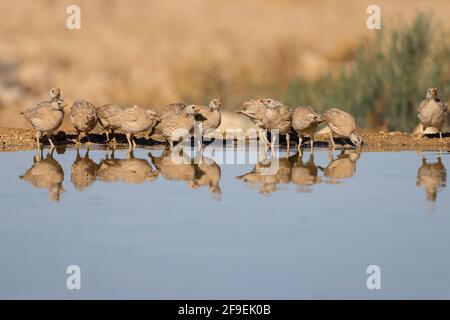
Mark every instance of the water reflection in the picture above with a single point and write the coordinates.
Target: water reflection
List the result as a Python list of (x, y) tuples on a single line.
[(267, 183), (130, 170), (305, 174), (343, 167), (46, 173), (432, 177), (266, 177), (180, 170), (83, 172)]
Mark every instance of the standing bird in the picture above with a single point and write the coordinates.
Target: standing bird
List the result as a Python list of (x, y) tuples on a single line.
[(173, 108), (277, 117), (47, 116), (343, 125), (136, 119), (83, 117), (432, 112), (305, 120), (209, 117), (175, 126), (253, 110), (108, 117)]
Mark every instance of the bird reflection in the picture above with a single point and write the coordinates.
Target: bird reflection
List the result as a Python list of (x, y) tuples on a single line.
[(83, 171), (269, 173), (174, 166), (130, 170), (305, 174), (341, 168), (432, 177), (207, 173), (46, 173)]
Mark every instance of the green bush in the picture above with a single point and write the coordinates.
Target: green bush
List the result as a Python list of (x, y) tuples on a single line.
[(387, 80)]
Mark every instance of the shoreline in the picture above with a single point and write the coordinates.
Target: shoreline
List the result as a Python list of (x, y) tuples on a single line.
[(19, 139)]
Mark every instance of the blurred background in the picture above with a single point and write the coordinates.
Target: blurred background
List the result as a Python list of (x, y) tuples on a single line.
[(151, 53)]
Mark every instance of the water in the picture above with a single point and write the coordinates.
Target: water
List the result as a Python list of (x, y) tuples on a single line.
[(212, 235)]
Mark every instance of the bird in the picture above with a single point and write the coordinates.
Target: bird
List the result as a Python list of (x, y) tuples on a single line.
[(209, 118), (173, 108), (136, 119), (108, 118), (343, 125), (305, 121), (255, 109), (47, 116), (432, 177), (432, 112), (46, 173), (83, 117), (305, 174), (277, 117), (175, 126), (83, 172), (341, 168), (129, 170)]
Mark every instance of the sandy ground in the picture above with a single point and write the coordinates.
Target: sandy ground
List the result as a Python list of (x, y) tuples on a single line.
[(13, 139)]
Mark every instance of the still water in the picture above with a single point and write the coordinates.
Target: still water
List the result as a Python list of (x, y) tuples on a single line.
[(140, 226)]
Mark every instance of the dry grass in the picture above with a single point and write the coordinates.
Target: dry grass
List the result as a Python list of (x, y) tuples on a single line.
[(154, 52)]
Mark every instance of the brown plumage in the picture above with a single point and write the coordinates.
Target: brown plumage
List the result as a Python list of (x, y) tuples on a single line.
[(47, 116), (175, 126), (277, 117), (136, 119), (181, 169), (207, 173), (109, 119), (267, 176), (83, 172), (130, 170), (305, 121), (432, 177), (46, 174), (343, 125), (83, 117), (254, 110), (432, 112), (173, 108), (305, 174), (341, 168), (209, 118)]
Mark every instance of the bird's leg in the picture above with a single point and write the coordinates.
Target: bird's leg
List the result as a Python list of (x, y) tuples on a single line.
[(272, 144), (107, 135), (300, 139), (332, 140), (311, 142), (134, 141), (288, 138), (38, 136), (263, 136), (49, 135), (171, 144), (129, 140), (440, 135)]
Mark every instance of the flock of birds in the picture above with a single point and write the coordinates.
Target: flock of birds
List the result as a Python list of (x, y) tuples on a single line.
[(267, 114)]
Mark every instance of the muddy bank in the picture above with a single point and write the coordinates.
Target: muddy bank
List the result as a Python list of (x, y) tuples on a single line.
[(12, 139)]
